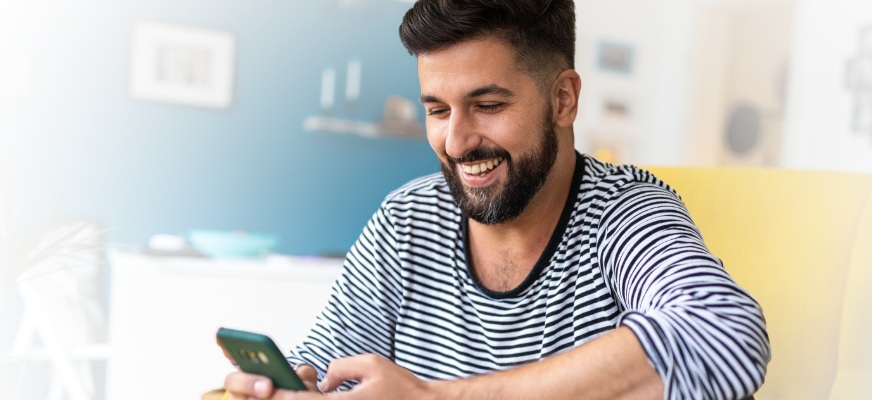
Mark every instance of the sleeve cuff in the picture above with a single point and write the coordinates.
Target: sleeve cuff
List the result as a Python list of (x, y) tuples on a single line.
[(655, 343)]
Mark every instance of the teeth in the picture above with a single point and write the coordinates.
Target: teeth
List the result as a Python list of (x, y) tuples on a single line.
[(481, 167)]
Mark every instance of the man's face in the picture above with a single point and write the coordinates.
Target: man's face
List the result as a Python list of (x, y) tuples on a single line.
[(490, 126)]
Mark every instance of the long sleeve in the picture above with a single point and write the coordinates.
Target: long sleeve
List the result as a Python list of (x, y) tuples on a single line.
[(705, 336), (360, 315)]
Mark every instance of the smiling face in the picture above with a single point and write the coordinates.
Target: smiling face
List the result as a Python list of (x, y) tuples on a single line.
[(490, 125)]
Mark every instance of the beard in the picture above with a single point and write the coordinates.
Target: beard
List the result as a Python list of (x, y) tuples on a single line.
[(496, 204)]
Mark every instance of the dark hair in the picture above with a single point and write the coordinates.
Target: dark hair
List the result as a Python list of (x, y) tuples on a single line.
[(542, 32)]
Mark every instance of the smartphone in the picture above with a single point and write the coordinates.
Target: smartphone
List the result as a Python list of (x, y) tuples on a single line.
[(258, 354)]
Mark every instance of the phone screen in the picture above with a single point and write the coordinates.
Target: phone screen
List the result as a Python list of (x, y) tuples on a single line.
[(255, 353)]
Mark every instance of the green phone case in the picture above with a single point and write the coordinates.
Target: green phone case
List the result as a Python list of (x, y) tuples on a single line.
[(258, 354)]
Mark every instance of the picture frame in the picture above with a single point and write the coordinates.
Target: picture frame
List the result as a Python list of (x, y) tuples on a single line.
[(182, 65), (615, 57)]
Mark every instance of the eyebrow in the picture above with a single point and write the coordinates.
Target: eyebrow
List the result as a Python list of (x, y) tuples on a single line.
[(484, 90)]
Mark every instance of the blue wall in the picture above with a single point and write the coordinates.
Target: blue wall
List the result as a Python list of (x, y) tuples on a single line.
[(91, 151)]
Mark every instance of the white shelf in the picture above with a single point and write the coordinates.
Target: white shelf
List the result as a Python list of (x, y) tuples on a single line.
[(409, 130), (164, 312)]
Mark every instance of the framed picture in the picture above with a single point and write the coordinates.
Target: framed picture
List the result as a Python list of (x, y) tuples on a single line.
[(182, 65), (615, 57)]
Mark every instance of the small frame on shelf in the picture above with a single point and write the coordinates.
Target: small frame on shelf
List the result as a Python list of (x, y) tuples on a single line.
[(615, 57)]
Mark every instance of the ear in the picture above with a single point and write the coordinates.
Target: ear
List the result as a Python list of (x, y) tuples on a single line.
[(565, 94)]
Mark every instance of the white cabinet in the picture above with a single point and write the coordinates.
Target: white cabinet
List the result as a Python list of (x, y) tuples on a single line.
[(164, 312)]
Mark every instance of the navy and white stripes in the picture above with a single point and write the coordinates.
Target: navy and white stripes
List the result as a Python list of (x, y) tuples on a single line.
[(625, 253)]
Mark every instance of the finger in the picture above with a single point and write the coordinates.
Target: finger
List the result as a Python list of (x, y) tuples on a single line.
[(309, 376), (242, 385), (349, 368)]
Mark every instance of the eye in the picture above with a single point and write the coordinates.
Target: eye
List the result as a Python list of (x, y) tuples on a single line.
[(436, 111), (490, 106)]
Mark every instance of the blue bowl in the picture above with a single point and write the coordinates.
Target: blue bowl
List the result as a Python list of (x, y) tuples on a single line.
[(231, 244)]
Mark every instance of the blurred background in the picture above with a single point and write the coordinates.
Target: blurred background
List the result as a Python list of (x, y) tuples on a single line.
[(138, 125)]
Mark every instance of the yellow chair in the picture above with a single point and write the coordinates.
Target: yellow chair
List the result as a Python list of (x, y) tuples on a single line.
[(801, 243)]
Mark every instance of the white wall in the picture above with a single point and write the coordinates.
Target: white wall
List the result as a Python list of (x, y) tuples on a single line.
[(694, 60), (657, 89), (819, 110), (741, 57)]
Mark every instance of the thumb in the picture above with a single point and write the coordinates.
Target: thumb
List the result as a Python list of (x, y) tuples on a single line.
[(308, 375), (262, 388)]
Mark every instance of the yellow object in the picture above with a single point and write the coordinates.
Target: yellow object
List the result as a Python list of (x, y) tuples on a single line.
[(606, 154), (801, 243), (217, 394)]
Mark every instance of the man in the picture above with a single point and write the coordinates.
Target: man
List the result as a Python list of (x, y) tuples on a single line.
[(525, 270)]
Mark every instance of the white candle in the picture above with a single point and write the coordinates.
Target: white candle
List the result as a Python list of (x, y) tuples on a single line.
[(352, 83), (328, 86)]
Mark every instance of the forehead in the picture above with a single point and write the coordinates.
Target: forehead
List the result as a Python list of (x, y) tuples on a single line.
[(469, 65)]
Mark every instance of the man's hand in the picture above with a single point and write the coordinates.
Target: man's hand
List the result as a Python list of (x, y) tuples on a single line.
[(378, 378), (240, 385)]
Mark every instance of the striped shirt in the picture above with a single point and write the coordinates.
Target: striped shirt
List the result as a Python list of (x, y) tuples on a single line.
[(625, 253)]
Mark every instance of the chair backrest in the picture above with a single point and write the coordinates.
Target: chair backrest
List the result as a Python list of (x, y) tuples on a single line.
[(854, 374), (792, 238)]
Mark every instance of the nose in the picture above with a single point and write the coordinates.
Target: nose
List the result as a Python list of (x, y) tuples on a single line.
[(462, 134)]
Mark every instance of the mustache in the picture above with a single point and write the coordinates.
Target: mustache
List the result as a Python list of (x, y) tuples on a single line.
[(479, 154)]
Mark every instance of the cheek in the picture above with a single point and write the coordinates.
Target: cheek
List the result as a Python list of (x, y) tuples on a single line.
[(513, 135), (435, 137)]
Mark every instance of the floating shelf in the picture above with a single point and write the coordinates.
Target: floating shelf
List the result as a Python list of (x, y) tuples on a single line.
[(397, 129)]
